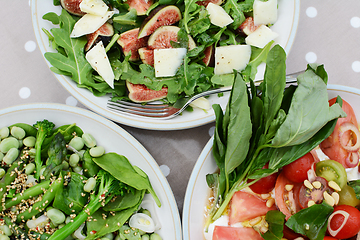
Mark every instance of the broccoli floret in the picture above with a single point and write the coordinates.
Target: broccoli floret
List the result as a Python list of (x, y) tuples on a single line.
[(44, 129)]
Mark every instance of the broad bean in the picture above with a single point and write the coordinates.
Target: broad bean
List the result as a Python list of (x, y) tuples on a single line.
[(89, 140), (74, 160), (8, 143), (77, 143), (11, 156), (56, 216), (90, 184), (155, 236), (1, 156), (2, 172), (4, 237), (5, 230), (4, 132), (145, 237), (29, 141), (17, 132), (97, 151), (29, 168)]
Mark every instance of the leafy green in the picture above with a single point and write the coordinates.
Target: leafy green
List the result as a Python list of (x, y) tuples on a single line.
[(355, 184), (311, 221), (276, 220)]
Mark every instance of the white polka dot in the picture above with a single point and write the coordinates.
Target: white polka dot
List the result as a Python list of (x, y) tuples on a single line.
[(24, 92), (311, 12), (71, 101), (311, 57), (165, 170), (211, 131), (355, 22), (356, 66), (30, 46)]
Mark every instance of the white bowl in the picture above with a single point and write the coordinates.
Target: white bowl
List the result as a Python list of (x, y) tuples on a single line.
[(197, 191), (113, 139), (286, 27)]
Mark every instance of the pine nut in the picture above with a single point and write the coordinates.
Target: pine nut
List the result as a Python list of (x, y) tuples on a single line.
[(254, 221), (334, 186), (317, 184), (263, 229), (265, 195), (308, 184), (311, 202), (329, 199), (289, 187), (336, 197), (270, 202), (299, 238)]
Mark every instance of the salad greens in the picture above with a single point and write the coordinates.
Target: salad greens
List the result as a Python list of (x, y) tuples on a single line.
[(93, 197), (268, 124), (193, 76)]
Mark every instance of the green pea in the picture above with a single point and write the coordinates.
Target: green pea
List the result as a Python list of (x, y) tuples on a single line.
[(145, 237), (155, 236), (4, 237), (56, 216), (17, 132), (4, 132), (2, 173), (5, 230), (29, 141), (89, 140), (8, 143), (11, 156), (97, 151), (74, 160), (77, 143), (29, 168), (90, 184)]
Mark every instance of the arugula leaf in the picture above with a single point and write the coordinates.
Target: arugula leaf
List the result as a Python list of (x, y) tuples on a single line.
[(276, 220), (74, 62), (311, 221)]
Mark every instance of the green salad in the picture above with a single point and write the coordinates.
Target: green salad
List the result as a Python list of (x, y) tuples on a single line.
[(142, 40), (58, 183)]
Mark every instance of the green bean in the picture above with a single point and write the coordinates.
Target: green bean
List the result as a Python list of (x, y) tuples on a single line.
[(97, 151), (29, 168), (8, 143), (4, 132), (56, 216), (17, 132), (155, 236), (74, 160), (29, 141), (77, 143), (11, 156), (46, 199), (27, 194), (89, 140)]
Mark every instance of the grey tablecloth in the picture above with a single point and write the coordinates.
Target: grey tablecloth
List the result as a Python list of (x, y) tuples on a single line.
[(328, 33)]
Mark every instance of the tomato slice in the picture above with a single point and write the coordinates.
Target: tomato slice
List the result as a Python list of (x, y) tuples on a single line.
[(235, 233), (331, 146), (352, 225), (245, 206), (287, 201), (332, 171), (314, 194)]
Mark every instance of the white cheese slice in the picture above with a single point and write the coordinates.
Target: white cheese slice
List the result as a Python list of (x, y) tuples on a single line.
[(265, 12), (99, 61), (228, 58), (261, 36), (96, 7), (218, 16), (167, 61), (89, 23), (202, 103)]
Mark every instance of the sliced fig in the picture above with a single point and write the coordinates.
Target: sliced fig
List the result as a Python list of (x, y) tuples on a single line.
[(163, 36), (209, 58), (106, 30), (141, 6), (146, 55), (247, 27), (72, 6), (130, 43), (206, 2), (140, 93), (160, 16)]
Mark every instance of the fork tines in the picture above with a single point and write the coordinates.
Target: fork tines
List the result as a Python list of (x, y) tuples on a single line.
[(149, 110)]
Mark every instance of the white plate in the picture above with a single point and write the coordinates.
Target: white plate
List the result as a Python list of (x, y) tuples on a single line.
[(286, 27), (113, 139), (197, 191)]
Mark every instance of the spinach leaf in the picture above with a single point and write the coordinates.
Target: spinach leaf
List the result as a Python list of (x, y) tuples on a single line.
[(311, 221), (71, 198), (276, 220), (355, 184), (306, 118), (120, 168), (122, 202)]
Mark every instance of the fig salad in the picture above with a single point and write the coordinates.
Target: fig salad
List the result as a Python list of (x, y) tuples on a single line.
[(145, 50), (287, 160)]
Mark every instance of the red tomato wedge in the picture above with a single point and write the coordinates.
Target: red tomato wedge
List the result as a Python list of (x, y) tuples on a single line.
[(332, 146), (245, 206), (235, 233), (287, 201)]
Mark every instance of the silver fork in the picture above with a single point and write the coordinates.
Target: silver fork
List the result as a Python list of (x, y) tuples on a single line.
[(166, 111)]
